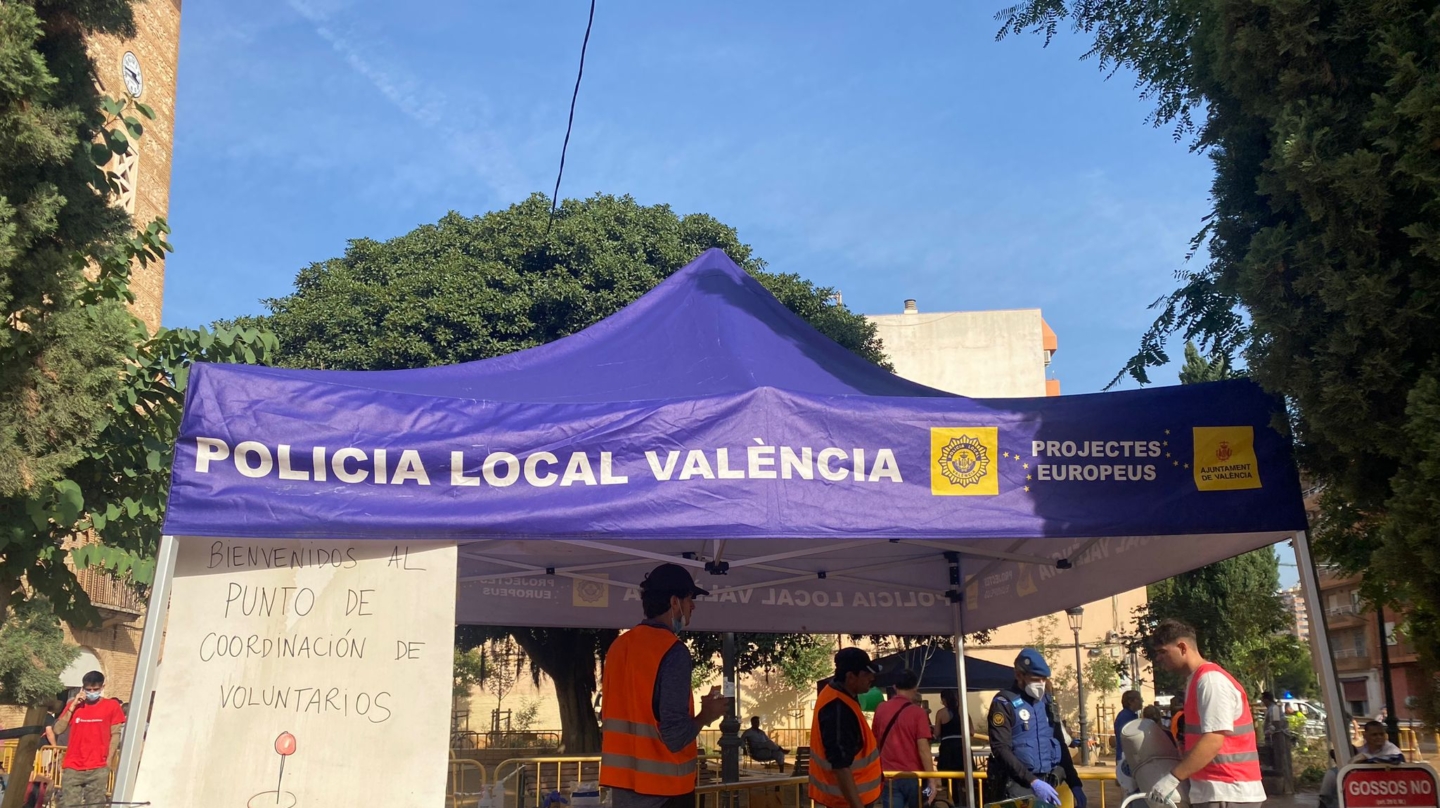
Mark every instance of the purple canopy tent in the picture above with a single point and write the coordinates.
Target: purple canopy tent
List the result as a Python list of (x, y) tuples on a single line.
[(708, 425)]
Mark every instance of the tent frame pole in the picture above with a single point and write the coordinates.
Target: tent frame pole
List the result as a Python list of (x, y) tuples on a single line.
[(964, 708), (957, 597), (132, 742), (1320, 647)]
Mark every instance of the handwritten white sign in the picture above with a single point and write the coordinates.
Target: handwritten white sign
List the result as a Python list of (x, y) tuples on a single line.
[(298, 674)]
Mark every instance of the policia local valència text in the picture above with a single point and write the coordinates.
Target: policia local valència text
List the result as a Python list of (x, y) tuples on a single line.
[(1121, 461)]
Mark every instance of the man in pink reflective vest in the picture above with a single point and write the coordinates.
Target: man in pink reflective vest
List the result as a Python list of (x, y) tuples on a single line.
[(1222, 760)]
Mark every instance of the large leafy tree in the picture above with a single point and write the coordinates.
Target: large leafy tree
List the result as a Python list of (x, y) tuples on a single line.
[(1234, 605), (472, 288), (1323, 245), (89, 399)]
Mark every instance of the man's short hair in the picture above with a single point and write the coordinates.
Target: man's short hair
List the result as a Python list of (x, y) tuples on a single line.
[(655, 603), (1131, 695), (1267, 696), (907, 680), (1170, 632), (1369, 725), (92, 678)]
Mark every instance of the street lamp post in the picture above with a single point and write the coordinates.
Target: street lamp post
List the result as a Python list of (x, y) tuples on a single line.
[(1076, 615)]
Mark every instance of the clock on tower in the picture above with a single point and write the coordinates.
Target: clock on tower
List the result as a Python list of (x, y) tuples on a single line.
[(130, 70)]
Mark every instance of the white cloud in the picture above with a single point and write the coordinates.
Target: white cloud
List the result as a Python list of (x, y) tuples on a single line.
[(467, 136)]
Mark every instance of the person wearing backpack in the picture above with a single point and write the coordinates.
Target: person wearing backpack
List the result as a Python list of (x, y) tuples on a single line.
[(903, 728)]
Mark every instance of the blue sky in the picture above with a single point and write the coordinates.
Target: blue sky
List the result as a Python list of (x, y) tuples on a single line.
[(890, 151)]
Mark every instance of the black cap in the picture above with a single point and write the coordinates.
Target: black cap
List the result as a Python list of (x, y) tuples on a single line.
[(671, 579), (853, 660)]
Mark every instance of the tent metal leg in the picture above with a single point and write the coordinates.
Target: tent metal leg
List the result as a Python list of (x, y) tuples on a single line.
[(730, 724), (964, 706), (1320, 648), (133, 740)]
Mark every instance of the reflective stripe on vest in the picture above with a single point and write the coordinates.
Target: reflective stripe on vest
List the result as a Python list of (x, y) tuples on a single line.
[(865, 769), (1238, 760), (633, 755)]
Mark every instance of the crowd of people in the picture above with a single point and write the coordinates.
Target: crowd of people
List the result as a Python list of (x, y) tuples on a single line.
[(650, 724)]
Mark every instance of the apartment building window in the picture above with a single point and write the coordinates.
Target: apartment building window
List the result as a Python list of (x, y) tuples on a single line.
[(1348, 644)]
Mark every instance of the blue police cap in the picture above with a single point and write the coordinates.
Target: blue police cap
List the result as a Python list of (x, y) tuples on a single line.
[(1030, 661)]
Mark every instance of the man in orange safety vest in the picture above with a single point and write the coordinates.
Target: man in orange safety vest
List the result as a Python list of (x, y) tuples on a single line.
[(647, 715), (844, 757)]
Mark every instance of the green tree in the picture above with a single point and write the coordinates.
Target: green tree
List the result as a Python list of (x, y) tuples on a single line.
[(89, 400), (1278, 663), (60, 354), (470, 670), (793, 657), (1233, 604), (1322, 244), (33, 653), (1199, 369), (472, 288)]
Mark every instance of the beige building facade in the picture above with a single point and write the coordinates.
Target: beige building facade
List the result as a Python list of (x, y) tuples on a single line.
[(980, 354), (144, 70)]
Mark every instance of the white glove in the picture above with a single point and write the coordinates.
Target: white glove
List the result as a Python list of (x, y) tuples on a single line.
[(1166, 791)]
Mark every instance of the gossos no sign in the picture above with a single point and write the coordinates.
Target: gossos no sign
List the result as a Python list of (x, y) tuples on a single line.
[(1411, 785)]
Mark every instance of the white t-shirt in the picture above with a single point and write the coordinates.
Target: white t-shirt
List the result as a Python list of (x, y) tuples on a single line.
[(1275, 719), (1221, 704)]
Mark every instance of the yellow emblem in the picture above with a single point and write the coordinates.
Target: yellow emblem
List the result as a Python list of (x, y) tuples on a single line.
[(591, 594), (997, 718), (963, 461), (1225, 458), (1025, 582)]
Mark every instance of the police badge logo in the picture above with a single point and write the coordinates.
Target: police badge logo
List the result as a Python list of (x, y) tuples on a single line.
[(591, 594), (964, 461)]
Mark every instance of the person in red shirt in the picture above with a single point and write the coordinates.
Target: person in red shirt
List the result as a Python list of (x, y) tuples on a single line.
[(902, 729), (94, 723)]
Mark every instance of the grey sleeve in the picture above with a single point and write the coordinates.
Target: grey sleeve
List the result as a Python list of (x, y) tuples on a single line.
[(672, 699)]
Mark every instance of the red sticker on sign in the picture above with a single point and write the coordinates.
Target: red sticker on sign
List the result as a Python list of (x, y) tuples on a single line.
[(1411, 785)]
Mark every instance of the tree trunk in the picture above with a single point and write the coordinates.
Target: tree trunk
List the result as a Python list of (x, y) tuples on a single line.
[(25, 750), (569, 657), (579, 731)]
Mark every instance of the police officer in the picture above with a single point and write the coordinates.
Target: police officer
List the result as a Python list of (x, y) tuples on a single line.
[(1028, 756)]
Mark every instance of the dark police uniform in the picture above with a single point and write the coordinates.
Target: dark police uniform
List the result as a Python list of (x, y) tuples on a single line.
[(1026, 743)]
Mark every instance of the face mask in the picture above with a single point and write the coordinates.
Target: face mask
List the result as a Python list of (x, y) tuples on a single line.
[(1035, 690), (93, 696), (677, 625)]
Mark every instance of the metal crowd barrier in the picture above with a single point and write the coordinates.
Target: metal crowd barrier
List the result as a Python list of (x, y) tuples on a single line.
[(537, 776), (47, 767), (465, 783), (760, 792), (1101, 777), (531, 775)]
